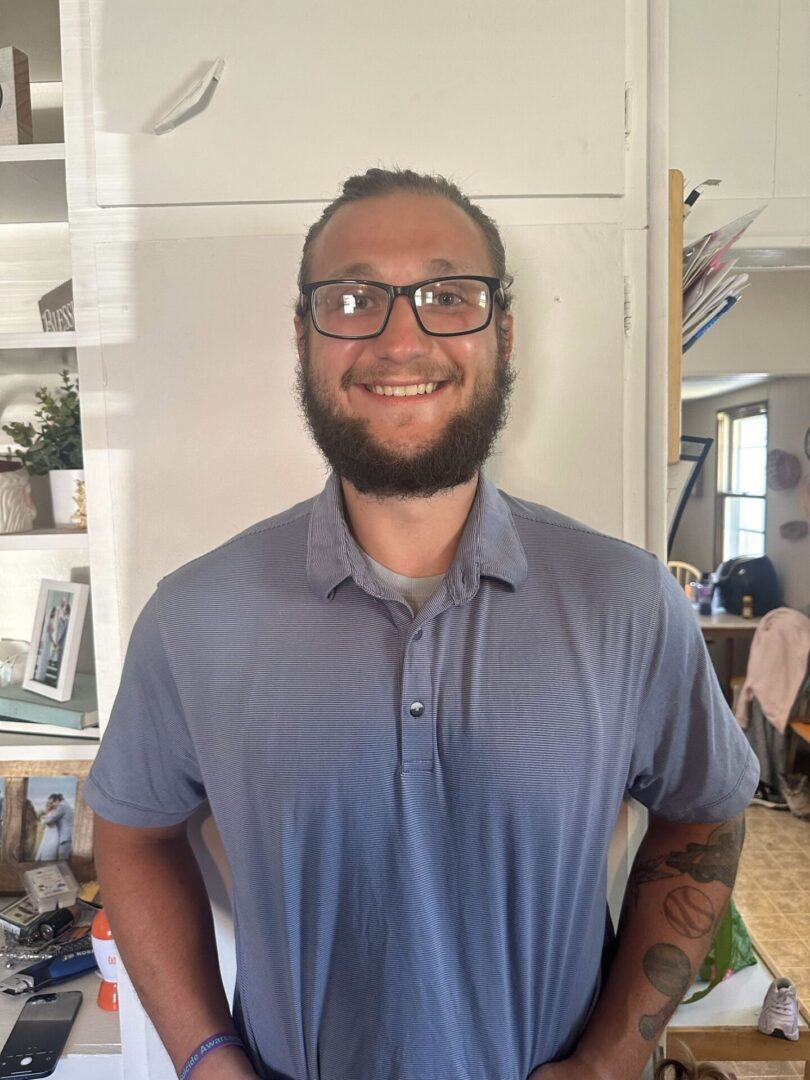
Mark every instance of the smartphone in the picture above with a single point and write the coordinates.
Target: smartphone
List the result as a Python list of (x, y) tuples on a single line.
[(38, 1038)]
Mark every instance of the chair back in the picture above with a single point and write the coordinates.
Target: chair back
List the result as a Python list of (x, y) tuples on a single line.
[(684, 573)]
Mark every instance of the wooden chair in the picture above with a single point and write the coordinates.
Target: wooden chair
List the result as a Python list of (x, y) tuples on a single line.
[(684, 572)]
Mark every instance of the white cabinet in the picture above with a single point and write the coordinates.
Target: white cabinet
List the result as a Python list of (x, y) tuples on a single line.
[(792, 171), (740, 112), (36, 257), (312, 93)]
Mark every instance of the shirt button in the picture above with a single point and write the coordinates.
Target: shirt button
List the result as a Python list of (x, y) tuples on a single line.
[(418, 634), (417, 708)]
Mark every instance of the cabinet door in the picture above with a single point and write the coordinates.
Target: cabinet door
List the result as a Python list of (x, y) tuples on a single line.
[(724, 75), (502, 97), (203, 436), (565, 442), (203, 432)]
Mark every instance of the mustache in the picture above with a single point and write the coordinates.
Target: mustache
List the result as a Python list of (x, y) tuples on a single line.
[(372, 378)]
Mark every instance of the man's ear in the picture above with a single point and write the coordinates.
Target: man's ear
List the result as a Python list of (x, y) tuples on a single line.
[(506, 328), (300, 337)]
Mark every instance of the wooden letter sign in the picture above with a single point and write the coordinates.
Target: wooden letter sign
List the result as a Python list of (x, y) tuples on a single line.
[(15, 97)]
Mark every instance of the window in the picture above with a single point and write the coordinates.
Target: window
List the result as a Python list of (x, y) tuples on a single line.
[(742, 461)]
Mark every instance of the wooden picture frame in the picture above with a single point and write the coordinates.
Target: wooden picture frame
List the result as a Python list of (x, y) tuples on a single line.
[(21, 822), (51, 666)]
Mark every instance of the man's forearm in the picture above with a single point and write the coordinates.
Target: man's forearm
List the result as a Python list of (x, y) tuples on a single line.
[(160, 917), (677, 892)]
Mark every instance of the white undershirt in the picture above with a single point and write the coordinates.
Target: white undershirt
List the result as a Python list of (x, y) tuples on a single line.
[(415, 591)]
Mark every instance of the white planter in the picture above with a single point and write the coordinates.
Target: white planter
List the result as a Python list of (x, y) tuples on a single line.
[(63, 491)]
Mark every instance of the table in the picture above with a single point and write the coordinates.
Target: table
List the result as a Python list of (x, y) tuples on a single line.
[(723, 1026), (93, 1049), (721, 625)]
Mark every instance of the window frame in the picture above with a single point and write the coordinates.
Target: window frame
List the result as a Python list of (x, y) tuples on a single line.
[(724, 419)]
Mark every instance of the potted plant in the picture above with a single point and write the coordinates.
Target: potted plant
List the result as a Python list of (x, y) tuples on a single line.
[(53, 445)]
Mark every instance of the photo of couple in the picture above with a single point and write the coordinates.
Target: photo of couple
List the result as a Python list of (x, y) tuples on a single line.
[(52, 640), (47, 817)]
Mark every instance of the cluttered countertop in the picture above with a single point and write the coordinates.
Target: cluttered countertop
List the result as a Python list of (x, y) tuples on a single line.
[(46, 951)]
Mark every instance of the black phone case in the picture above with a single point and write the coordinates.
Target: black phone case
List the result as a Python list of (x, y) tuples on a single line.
[(38, 1038)]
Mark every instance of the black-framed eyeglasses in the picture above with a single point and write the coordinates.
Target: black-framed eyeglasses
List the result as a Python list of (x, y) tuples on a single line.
[(444, 307)]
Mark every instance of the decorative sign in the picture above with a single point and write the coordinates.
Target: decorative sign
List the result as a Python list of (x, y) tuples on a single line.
[(15, 97), (56, 308)]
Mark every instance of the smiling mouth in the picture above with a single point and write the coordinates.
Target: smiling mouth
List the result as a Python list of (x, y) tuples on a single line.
[(409, 390)]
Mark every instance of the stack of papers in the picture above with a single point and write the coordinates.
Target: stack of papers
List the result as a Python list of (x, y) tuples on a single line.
[(710, 286)]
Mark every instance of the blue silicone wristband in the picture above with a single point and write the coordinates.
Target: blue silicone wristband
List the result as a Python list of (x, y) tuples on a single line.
[(213, 1043)]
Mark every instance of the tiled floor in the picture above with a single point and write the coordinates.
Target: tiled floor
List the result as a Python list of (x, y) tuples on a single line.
[(773, 896)]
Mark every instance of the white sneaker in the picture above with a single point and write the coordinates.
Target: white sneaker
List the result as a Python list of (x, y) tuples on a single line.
[(780, 1011)]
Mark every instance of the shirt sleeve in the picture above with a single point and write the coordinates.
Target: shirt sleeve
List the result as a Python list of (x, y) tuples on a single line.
[(691, 760), (146, 771)]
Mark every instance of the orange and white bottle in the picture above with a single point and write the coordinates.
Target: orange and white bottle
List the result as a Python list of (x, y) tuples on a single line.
[(107, 959)]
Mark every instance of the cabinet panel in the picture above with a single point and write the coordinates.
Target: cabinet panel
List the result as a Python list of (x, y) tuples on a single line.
[(503, 98), (724, 75), (564, 444), (203, 436), (793, 117)]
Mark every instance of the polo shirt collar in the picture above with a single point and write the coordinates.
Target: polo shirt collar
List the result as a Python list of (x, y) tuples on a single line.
[(489, 545)]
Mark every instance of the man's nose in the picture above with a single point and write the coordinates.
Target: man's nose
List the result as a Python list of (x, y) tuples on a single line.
[(403, 337)]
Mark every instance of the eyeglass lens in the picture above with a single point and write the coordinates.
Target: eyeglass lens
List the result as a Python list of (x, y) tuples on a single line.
[(446, 306)]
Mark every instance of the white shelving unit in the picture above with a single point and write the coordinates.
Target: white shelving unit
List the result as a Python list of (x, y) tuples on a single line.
[(44, 540), (36, 258), (37, 340), (33, 152)]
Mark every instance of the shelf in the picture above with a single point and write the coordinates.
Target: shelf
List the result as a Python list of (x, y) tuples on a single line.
[(44, 540), (38, 340), (16, 745), (22, 748), (33, 152)]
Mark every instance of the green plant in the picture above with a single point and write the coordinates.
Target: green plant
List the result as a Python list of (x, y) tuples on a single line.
[(56, 443)]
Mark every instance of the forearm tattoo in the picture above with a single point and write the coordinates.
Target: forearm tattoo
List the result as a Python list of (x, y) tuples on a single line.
[(715, 860), (690, 911), (669, 969)]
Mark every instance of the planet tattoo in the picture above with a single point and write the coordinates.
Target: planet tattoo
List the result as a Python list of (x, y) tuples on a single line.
[(689, 911), (668, 969)]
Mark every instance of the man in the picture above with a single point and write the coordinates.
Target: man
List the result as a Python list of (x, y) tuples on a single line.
[(428, 702)]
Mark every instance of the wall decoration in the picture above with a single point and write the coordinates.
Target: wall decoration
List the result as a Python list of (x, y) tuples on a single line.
[(55, 639), (15, 98), (784, 470), (56, 309), (794, 530), (43, 817)]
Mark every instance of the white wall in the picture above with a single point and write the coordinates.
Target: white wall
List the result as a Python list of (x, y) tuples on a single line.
[(767, 331)]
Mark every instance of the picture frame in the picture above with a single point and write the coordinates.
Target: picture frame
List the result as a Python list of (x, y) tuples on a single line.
[(51, 666), (44, 818)]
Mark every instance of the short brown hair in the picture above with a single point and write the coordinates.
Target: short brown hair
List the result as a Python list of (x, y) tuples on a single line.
[(375, 183)]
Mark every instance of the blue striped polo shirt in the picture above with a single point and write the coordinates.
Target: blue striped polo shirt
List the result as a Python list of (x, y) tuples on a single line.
[(417, 810)]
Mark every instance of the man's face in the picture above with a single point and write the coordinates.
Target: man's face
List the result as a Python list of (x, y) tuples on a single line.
[(420, 444)]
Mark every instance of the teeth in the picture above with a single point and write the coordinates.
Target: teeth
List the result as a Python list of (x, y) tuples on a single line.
[(405, 391)]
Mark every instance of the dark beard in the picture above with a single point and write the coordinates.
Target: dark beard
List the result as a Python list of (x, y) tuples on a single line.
[(453, 458)]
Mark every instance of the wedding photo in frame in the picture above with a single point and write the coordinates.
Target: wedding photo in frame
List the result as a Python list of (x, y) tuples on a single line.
[(44, 818), (55, 639)]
